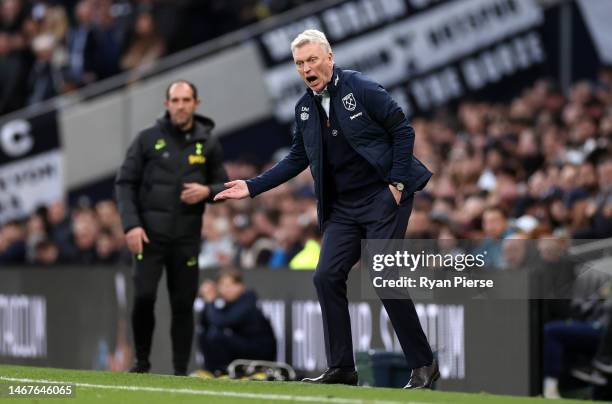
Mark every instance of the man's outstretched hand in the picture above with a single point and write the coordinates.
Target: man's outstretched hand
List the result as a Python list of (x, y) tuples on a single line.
[(235, 190)]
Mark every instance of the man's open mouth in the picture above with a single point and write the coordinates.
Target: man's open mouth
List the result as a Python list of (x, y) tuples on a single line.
[(310, 79)]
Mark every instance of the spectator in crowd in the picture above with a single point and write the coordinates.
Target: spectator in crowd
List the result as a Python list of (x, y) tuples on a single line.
[(106, 248), (495, 229), (217, 246), (82, 47), (252, 249), (288, 240), (85, 230), (45, 79), (145, 46), (13, 72), (60, 227), (308, 257), (94, 44), (233, 327), (12, 243), (46, 253)]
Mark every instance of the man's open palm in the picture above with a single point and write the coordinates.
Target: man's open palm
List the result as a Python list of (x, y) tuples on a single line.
[(235, 190)]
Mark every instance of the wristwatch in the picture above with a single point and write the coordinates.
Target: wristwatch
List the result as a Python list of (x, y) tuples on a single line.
[(398, 185)]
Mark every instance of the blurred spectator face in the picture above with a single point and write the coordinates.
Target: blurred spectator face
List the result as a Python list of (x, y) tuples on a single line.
[(105, 245), (85, 231), (527, 145), (12, 232), (605, 127), (229, 289), (587, 176), (584, 130), (44, 46), (537, 184), (551, 249), (558, 211), (108, 214), (472, 208), (569, 177), (56, 212), (446, 239), (46, 253), (55, 22), (145, 25), (10, 9), (5, 45), (494, 223), (208, 290), (314, 64), (604, 173), (494, 159), (291, 228), (181, 105), (84, 12), (581, 92), (36, 226), (514, 251)]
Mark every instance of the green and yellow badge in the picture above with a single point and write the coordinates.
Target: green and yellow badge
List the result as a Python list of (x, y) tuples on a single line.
[(160, 144), (197, 158)]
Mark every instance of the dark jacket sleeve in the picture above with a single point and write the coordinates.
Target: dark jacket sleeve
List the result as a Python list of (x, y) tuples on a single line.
[(127, 184), (291, 165), (233, 314), (216, 175), (384, 110)]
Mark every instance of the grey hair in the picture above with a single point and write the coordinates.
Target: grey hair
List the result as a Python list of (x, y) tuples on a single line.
[(311, 36)]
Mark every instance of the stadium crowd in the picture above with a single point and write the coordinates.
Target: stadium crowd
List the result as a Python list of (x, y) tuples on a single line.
[(537, 166), (51, 47)]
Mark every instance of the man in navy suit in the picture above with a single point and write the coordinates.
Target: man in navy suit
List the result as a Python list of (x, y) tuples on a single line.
[(358, 144)]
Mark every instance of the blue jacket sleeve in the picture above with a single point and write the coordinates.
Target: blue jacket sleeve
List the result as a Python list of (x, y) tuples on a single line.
[(291, 165), (388, 114)]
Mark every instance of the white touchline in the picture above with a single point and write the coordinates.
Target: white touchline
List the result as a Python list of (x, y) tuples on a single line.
[(261, 396)]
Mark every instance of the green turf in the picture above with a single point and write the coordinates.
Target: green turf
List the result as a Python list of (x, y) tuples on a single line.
[(202, 391)]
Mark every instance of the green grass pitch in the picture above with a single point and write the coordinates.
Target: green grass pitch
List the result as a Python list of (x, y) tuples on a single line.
[(116, 388)]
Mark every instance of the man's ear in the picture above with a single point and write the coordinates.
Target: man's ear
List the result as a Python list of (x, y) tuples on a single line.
[(166, 104)]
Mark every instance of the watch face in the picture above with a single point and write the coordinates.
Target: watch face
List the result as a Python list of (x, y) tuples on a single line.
[(400, 186)]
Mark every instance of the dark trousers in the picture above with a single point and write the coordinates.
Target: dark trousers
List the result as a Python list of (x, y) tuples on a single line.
[(220, 349), (376, 216), (180, 261), (562, 338)]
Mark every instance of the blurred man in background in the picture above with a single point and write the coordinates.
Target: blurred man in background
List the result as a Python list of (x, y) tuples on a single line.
[(233, 326), (170, 171)]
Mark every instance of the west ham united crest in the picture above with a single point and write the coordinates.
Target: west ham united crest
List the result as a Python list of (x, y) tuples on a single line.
[(349, 102)]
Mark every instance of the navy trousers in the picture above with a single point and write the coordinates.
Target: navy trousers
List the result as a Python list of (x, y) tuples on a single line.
[(374, 216)]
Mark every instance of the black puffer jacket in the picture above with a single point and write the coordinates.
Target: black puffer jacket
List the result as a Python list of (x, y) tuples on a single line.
[(150, 181)]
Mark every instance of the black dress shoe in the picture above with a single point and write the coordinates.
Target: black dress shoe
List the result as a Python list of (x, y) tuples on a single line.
[(423, 378), (141, 367), (335, 376)]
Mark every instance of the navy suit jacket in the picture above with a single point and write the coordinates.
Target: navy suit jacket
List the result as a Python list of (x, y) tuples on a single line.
[(373, 124)]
